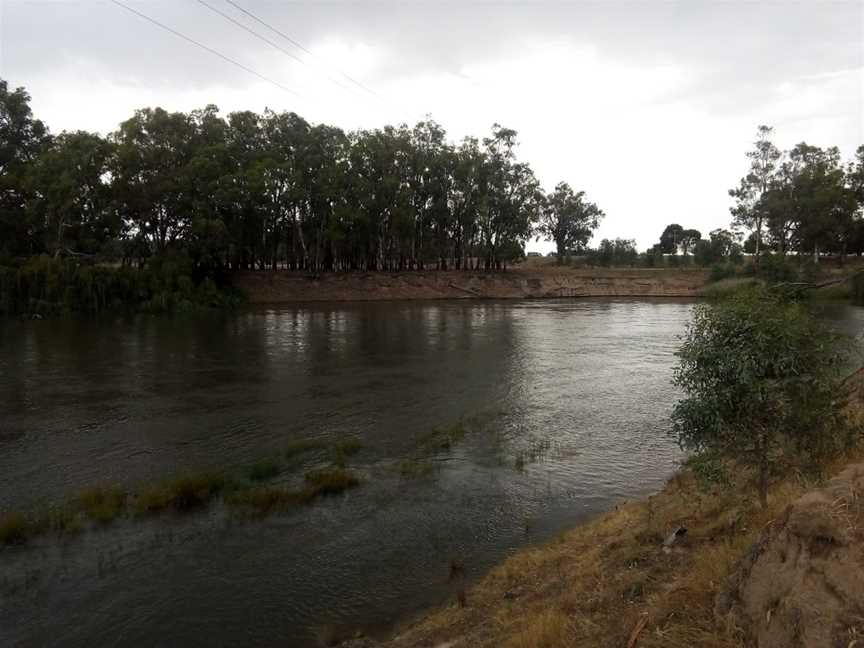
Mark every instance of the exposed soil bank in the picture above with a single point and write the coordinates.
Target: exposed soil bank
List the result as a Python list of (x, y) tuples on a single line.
[(287, 287)]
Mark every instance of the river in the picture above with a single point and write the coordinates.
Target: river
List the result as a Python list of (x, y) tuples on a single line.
[(568, 404)]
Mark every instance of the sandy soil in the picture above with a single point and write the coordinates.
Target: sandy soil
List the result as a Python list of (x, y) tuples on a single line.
[(287, 287)]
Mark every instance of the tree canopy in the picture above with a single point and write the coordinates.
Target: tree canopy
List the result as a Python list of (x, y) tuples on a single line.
[(273, 190)]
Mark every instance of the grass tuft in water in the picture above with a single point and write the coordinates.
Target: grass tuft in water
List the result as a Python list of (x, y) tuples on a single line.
[(14, 528), (341, 450), (102, 503), (413, 468), (264, 500), (443, 438), (59, 519), (182, 493), (302, 446), (262, 470), (330, 481)]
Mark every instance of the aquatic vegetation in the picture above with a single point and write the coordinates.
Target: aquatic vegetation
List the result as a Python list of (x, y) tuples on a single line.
[(14, 528), (331, 481), (101, 504), (262, 470), (443, 438), (265, 500), (413, 468), (302, 446), (537, 450), (181, 493), (62, 519), (341, 450)]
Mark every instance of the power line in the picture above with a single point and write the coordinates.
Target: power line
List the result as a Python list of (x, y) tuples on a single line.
[(204, 47), (267, 40), (296, 44)]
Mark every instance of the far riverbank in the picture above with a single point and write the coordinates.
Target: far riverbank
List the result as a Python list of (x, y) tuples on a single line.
[(275, 287)]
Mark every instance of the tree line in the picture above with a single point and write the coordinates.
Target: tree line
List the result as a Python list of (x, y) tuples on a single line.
[(257, 191)]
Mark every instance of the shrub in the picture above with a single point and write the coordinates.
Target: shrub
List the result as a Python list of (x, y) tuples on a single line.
[(761, 378)]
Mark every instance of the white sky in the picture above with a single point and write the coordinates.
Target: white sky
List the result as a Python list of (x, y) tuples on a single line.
[(647, 106)]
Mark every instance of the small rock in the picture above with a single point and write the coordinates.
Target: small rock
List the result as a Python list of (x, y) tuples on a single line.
[(676, 536)]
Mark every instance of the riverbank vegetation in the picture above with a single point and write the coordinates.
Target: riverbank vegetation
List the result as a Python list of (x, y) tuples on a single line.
[(158, 215)]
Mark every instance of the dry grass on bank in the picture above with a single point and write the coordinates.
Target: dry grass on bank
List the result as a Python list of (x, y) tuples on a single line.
[(610, 583)]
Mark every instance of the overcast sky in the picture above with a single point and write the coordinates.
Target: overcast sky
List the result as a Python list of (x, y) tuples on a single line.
[(647, 106)]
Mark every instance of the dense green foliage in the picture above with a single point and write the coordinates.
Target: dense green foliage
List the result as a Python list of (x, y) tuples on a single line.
[(803, 200), (50, 286), (761, 379), (272, 191)]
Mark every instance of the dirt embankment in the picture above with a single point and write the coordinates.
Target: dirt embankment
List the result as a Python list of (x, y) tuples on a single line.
[(286, 287), (802, 584)]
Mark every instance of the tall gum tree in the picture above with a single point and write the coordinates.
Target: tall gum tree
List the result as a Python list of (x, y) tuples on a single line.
[(747, 213)]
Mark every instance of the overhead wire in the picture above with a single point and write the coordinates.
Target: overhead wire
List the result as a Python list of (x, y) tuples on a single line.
[(266, 40), (205, 47), (299, 45)]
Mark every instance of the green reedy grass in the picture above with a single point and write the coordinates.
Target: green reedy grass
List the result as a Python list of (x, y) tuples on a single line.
[(302, 446), (262, 470), (182, 493), (412, 468), (331, 481), (264, 500), (102, 504), (14, 528), (443, 438), (341, 450)]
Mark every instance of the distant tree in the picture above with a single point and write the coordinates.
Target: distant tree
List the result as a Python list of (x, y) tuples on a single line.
[(670, 239), (689, 238), (761, 377), (748, 213), (568, 219)]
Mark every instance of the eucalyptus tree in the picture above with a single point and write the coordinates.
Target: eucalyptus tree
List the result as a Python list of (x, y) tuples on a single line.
[(568, 219), (513, 200), (153, 149), (747, 213), (69, 195), (22, 139)]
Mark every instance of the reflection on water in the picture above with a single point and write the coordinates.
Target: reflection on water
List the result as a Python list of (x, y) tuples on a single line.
[(574, 397)]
